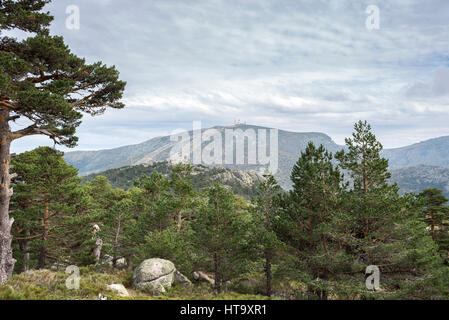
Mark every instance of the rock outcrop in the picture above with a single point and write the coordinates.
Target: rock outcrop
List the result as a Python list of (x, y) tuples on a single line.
[(109, 260), (156, 275), (202, 276), (182, 279), (119, 289)]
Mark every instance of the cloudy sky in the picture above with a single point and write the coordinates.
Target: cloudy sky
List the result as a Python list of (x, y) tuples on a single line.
[(300, 65)]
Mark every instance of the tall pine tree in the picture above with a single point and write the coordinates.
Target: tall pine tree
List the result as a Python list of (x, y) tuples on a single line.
[(266, 211), (436, 215), (219, 229), (309, 213), (384, 227), (47, 198), (46, 86)]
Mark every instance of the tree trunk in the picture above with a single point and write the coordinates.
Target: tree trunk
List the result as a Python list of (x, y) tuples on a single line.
[(365, 192), (179, 220), (7, 262), (129, 265), (267, 250), (268, 271), (324, 293), (217, 273), (24, 246), (116, 243), (43, 254), (97, 250)]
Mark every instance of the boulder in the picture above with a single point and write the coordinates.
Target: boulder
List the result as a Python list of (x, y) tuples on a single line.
[(119, 289), (121, 263), (58, 266), (182, 279), (109, 260), (202, 276), (154, 275)]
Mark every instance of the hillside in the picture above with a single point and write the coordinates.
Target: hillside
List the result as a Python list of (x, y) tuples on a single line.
[(434, 152), (417, 179), (158, 149), (243, 183), (411, 179)]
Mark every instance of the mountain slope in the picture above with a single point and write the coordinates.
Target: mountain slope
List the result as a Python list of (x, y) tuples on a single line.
[(411, 179), (244, 183), (417, 179), (158, 149), (433, 152)]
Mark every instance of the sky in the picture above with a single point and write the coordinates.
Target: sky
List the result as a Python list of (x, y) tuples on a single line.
[(298, 65)]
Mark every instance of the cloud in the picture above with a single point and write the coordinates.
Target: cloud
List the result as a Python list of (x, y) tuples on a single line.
[(441, 82), (297, 65), (435, 87)]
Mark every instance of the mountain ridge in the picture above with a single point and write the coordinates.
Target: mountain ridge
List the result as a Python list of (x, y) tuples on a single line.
[(432, 152)]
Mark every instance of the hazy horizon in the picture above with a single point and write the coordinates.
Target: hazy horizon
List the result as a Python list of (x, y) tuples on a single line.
[(231, 125)]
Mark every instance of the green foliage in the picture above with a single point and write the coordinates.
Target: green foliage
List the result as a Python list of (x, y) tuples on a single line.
[(42, 81), (24, 15), (174, 246), (220, 231), (363, 161), (311, 215), (436, 214), (201, 177), (312, 242), (265, 243), (48, 285), (383, 227), (46, 206)]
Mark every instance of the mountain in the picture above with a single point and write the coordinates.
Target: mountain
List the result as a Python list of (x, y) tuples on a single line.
[(243, 183), (158, 149), (417, 179), (420, 156), (433, 152)]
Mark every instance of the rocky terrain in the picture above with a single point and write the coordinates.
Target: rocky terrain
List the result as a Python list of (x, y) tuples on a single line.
[(242, 182), (417, 179)]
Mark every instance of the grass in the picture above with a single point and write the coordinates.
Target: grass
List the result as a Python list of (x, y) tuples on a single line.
[(51, 285)]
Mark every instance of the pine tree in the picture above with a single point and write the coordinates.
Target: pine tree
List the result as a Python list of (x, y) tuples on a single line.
[(113, 211), (116, 222), (310, 210), (154, 204), (44, 205), (368, 170), (384, 228), (266, 211), (24, 15), (436, 215), (166, 207), (42, 82), (219, 229), (181, 184)]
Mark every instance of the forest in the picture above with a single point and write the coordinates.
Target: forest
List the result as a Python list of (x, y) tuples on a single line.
[(312, 242)]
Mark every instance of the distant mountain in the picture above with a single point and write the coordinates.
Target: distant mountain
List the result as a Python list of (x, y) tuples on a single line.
[(243, 183), (158, 149), (434, 152), (417, 179)]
